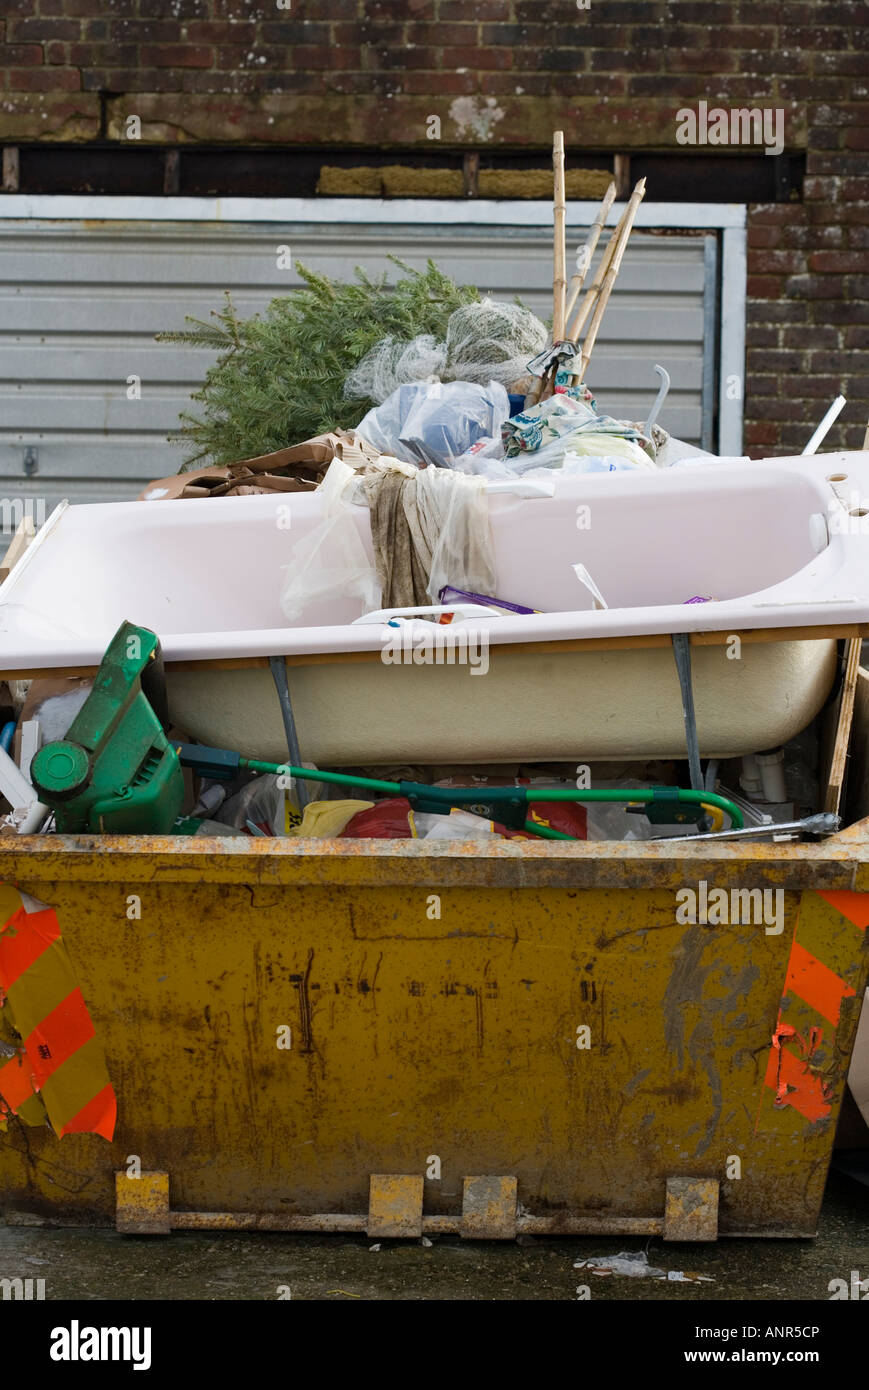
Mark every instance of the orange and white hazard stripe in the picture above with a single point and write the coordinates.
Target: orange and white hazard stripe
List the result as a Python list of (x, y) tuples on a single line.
[(827, 945), (58, 1072)]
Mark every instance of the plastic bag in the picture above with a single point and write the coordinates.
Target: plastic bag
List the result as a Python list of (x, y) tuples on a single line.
[(273, 808), (331, 559), (435, 423)]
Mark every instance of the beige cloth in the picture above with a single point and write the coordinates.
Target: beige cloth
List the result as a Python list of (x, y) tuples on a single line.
[(429, 530)]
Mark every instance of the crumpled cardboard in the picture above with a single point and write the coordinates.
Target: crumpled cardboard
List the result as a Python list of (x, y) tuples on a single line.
[(296, 469)]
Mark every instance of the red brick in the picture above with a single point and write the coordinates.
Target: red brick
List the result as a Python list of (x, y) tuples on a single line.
[(840, 261), (104, 55), (776, 262), (449, 84), (858, 139), (433, 35), (56, 52), (858, 189), (498, 59), (22, 55), (43, 80), (814, 88), (756, 433), (482, 9), (821, 139), (787, 311), (355, 34), (777, 214), (196, 80), (764, 385), (428, 58), (39, 30), (822, 188), (774, 408), (130, 80), (291, 31), (820, 336), (764, 286), (368, 83), (815, 287), (701, 60), (535, 84), (822, 387), (91, 7), (398, 9), (219, 31), (599, 60), (764, 236), (841, 64), (834, 363), (857, 337), (848, 311), (140, 30), (766, 360), (535, 34), (178, 55)]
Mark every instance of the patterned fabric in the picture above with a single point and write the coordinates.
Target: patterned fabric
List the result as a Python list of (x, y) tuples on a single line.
[(560, 418)]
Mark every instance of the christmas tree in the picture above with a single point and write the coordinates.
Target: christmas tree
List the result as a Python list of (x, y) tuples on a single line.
[(280, 377)]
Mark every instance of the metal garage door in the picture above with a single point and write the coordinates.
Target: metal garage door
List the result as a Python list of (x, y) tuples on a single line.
[(80, 303)]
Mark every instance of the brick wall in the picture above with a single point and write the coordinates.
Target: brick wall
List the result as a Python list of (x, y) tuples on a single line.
[(505, 73)]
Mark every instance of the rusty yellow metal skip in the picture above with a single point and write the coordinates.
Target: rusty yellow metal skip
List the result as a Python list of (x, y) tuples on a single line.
[(402, 1037)]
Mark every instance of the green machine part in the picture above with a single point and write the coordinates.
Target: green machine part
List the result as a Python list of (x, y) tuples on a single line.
[(116, 772)]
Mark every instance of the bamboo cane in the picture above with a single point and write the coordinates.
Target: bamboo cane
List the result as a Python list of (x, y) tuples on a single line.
[(612, 272), (591, 294), (588, 249), (559, 280)]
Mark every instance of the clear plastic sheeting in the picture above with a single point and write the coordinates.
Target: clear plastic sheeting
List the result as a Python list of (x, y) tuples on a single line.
[(485, 341), (452, 518), (435, 423), (332, 558)]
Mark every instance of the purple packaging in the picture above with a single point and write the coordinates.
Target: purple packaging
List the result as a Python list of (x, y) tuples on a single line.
[(447, 593)]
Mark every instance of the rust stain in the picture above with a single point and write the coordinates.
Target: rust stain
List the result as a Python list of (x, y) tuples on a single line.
[(302, 983)]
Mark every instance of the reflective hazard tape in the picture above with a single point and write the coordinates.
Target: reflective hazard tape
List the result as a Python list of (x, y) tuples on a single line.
[(801, 1067), (60, 1064)]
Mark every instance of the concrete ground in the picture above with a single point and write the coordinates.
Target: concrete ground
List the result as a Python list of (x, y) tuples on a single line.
[(103, 1265)]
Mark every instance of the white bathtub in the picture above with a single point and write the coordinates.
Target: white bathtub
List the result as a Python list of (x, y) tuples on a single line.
[(782, 550)]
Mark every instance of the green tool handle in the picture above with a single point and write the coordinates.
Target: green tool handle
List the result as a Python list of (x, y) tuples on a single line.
[(343, 779), (471, 794), (700, 798)]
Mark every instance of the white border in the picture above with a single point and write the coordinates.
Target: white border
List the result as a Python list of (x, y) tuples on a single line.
[(426, 212), (729, 218)]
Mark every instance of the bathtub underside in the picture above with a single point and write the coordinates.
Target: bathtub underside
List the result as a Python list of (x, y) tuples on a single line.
[(528, 706)]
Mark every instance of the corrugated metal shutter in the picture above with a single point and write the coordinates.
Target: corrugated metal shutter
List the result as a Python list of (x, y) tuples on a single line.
[(80, 303)]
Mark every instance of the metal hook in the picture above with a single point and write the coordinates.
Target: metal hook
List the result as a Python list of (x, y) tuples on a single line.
[(659, 400)]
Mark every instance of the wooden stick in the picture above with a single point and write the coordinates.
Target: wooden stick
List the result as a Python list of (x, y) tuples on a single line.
[(606, 290), (594, 290), (559, 281), (836, 774), (588, 249)]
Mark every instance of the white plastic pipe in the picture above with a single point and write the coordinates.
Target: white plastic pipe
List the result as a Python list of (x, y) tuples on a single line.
[(825, 426), (35, 819), (13, 784)]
